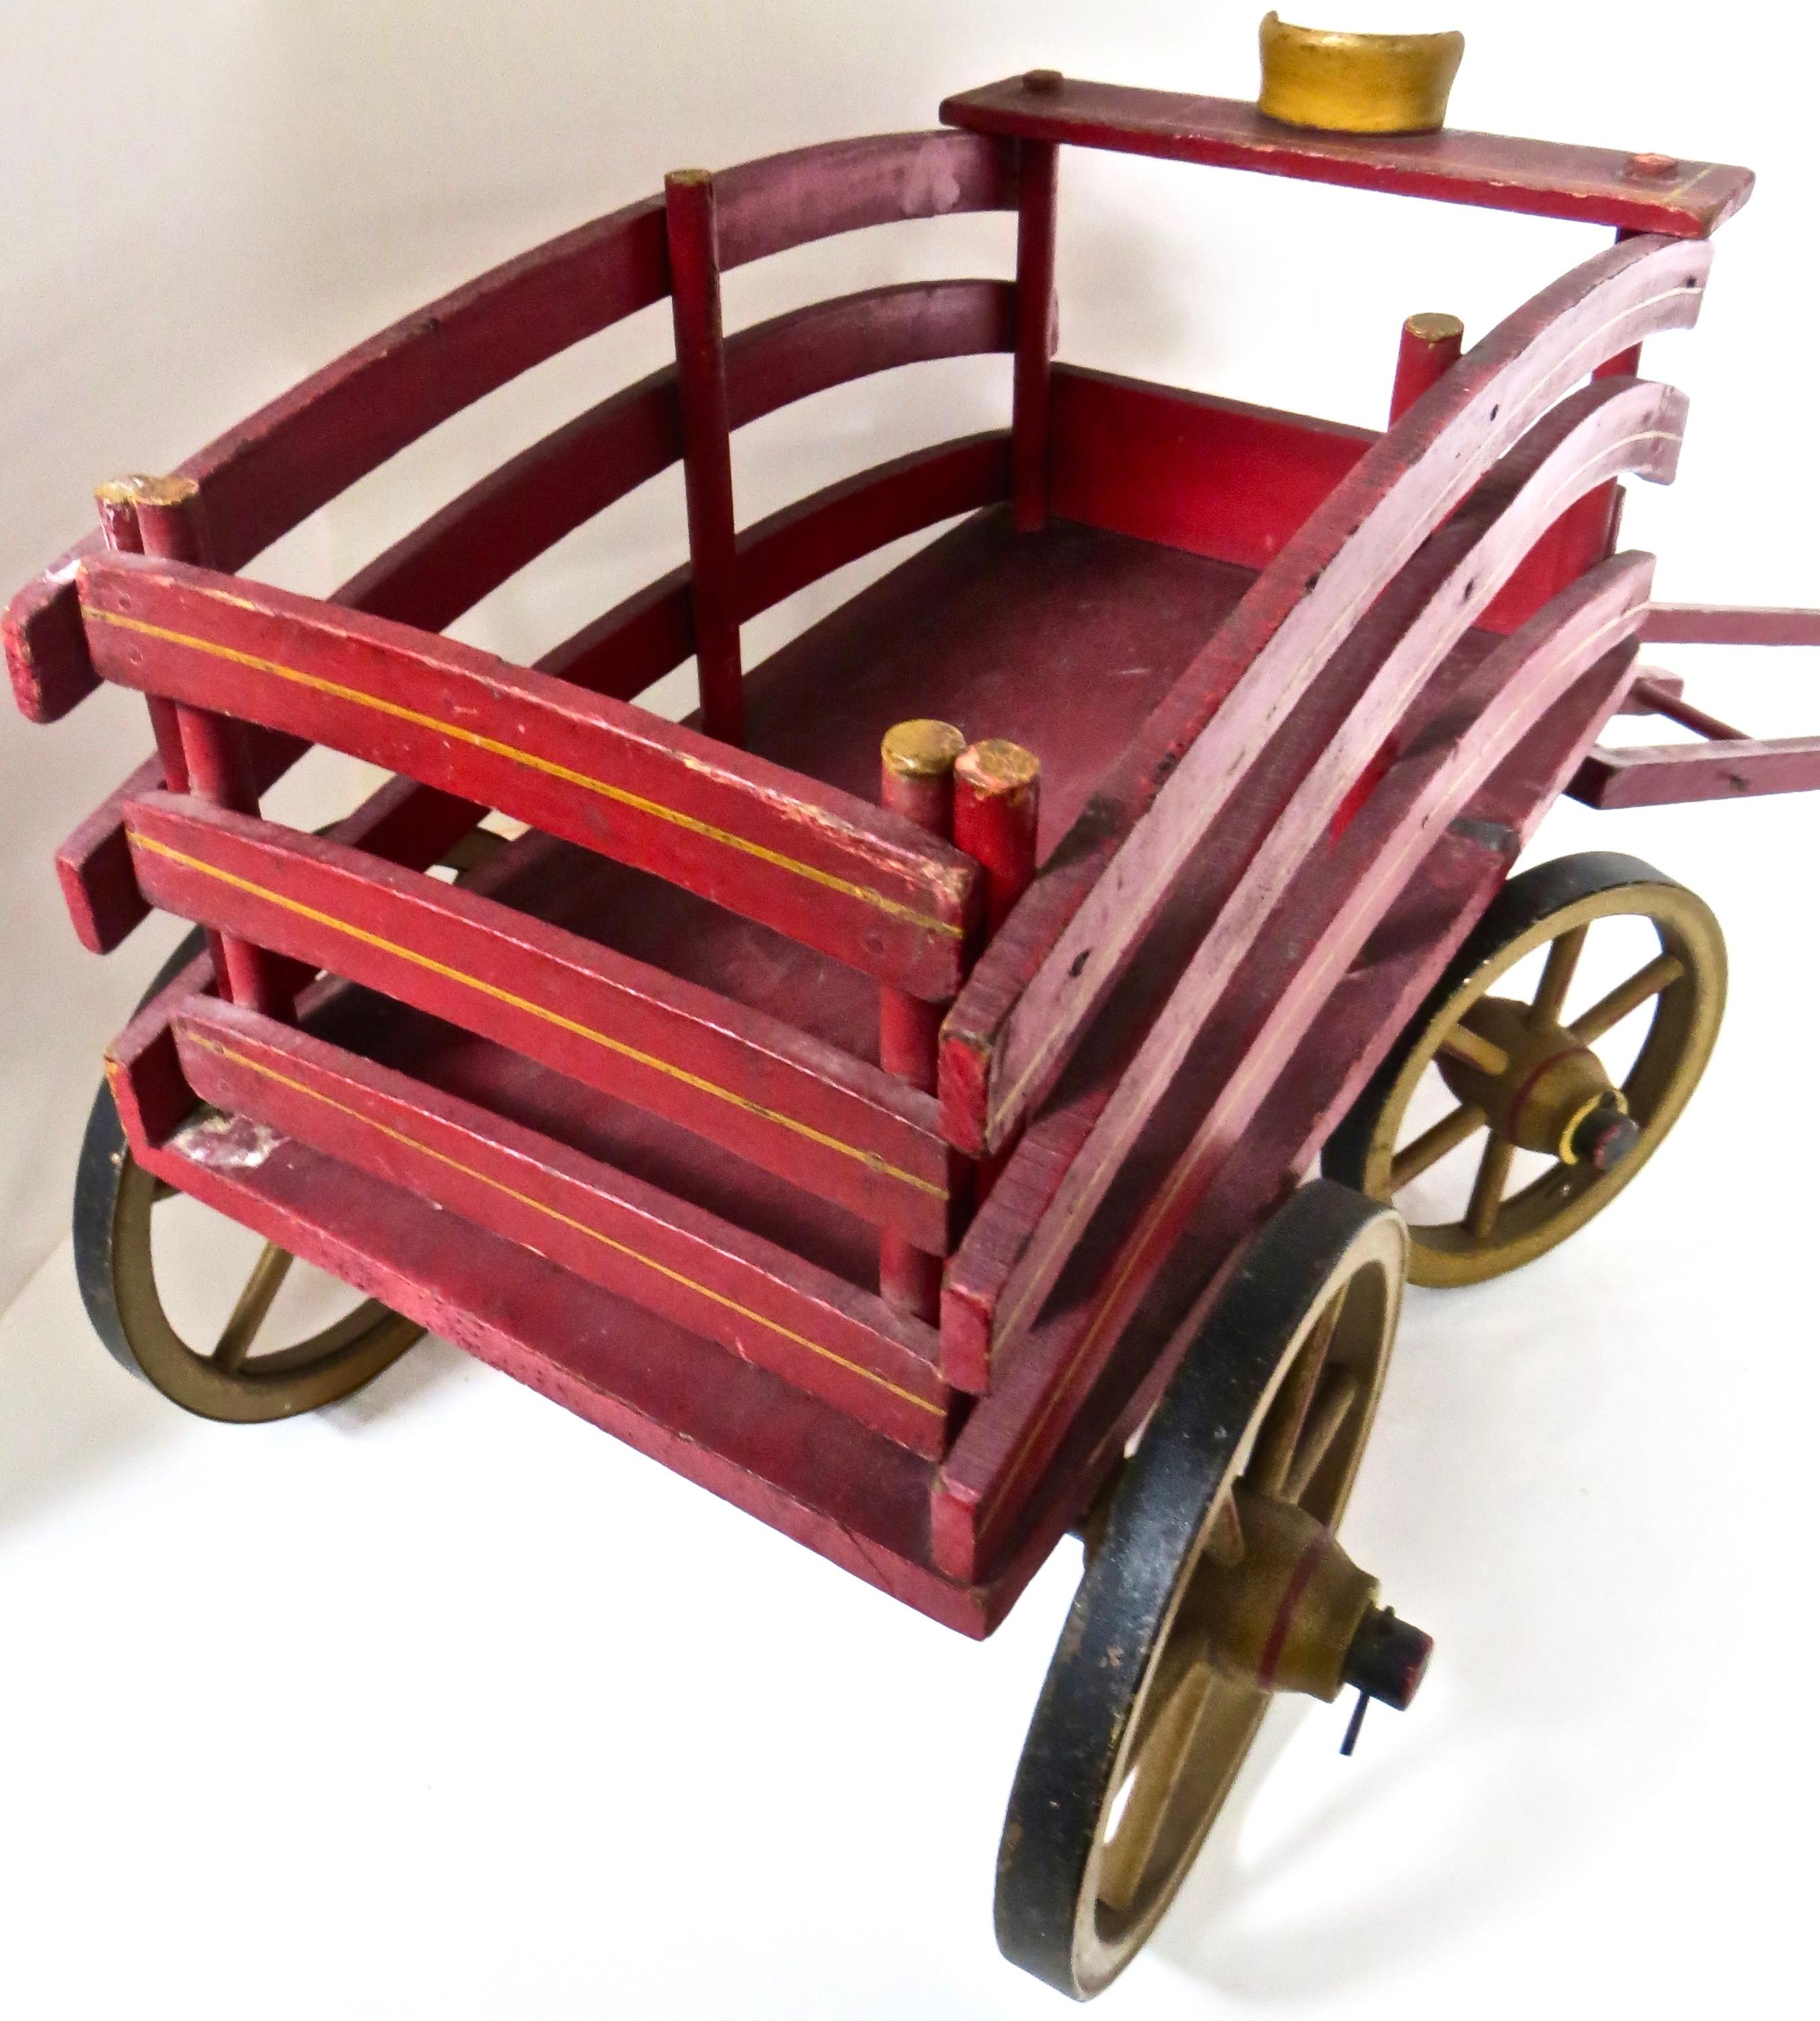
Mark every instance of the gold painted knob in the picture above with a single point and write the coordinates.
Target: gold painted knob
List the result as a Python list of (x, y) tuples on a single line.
[(1352, 83)]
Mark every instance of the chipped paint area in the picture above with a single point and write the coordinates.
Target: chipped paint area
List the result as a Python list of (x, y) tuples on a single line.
[(227, 1143)]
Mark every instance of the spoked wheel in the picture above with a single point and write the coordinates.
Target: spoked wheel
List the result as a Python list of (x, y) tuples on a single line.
[(1213, 1581), (117, 1202), (116, 1199), (1489, 1081)]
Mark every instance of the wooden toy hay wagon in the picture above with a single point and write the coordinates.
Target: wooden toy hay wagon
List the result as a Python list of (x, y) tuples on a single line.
[(887, 1153)]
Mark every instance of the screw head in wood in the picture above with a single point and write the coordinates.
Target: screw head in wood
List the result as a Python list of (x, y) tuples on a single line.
[(1042, 81), (1651, 168)]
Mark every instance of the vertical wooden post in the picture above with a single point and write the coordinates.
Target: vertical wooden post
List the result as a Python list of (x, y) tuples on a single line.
[(917, 781), (1429, 345), (118, 501), (997, 796), (706, 449), (997, 788), (1037, 202), (211, 757)]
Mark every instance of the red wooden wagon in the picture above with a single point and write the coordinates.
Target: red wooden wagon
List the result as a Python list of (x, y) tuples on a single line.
[(882, 1158)]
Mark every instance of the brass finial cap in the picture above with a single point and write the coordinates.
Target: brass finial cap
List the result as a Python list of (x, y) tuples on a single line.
[(146, 491), (922, 748), (996, 766), (1351, 83)]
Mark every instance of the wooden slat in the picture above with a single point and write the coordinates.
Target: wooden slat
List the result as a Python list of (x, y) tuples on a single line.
[(835, 1126), (402, 822), (1730, 624), (1285, 1064), (1655, 775), (642, 639), (271, 472), (94, 866), (812, 862), (785, 1457), (687, 1266), (1214, 477), (1034, 990), (768, 206), (1543, 178)]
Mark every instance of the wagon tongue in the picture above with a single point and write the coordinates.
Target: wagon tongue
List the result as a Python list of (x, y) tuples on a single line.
[(1289, 1612)]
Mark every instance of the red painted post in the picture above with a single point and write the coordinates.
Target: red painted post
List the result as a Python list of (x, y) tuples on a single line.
[(118, 501), (997, 792), (1036, 193), (706, 451), (1430, 344), (217, 763), (917, 781)]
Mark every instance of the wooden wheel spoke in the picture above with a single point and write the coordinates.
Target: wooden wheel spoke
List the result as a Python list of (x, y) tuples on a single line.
[(1488, 1188), (1434, 1145), (1551, 996), (1650, 980), (251, 1307), (1333, 1406), (1281, 1431), (1465, 1044), (1165, 1743)]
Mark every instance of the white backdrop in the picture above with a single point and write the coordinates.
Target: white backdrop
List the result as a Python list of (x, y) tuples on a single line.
[(442, 1704)]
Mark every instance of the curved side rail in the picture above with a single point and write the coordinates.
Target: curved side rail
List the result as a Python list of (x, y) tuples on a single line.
[(483, 537), (1334, 906), (265, 476), (1037, 986), (271, 472), (639, 640), (787, 200), (1612, 426)]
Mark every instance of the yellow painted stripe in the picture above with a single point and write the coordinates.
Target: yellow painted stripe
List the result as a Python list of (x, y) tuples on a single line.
[(418, 959), (566, 1221), (530, 759)]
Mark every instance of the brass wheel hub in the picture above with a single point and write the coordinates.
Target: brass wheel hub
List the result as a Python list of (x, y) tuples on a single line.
[(1539, 1084), (1539, 1075)]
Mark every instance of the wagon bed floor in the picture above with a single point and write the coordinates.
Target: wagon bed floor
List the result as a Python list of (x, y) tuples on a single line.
[(1062, 641)]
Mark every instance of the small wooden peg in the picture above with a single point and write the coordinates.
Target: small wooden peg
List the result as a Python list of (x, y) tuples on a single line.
[(997, 791), (1430, 344)]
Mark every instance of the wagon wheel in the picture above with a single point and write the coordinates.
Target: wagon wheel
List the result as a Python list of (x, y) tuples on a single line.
[(1213, 1581), (1527, 1076), (115, 1200)]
